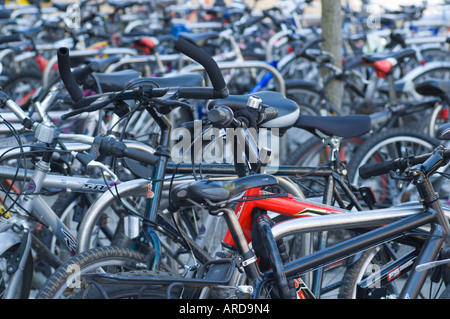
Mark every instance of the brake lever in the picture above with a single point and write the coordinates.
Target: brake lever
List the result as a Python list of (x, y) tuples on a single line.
[(166, 106), (399, 177), (104, 168)]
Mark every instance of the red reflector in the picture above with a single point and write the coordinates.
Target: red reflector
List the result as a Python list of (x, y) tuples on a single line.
[(443, 114)]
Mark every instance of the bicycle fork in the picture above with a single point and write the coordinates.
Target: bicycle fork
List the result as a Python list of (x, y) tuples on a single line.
[(36, 206), (16, 265)]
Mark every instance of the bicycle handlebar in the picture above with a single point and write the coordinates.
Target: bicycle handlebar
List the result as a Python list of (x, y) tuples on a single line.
[(90, 103), (199, 55), (67, 76), (222, 116), (371, 170), (108, 146)]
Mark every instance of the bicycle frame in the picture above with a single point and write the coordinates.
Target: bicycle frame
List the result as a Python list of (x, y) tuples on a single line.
[(432, 213), (380, 235), (288, 206)]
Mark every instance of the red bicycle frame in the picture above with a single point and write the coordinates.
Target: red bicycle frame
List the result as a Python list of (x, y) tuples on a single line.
[(288, 206)]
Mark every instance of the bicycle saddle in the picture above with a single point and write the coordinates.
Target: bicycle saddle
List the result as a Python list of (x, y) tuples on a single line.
[(399, 55), (433, 87), (217, 191), (288, 110), (120, 5), (443, 132), (199, 38), (193, 79), (342, 126), (61, 6), (115, 81)]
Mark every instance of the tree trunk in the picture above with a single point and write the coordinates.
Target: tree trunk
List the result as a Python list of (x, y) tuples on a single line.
[(332, 32)]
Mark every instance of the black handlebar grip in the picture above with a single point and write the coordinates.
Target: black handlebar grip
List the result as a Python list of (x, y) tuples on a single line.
[(269, 113), (109, 146), (141, 156), (210, 65), (203, 93), (66, 74), (376, 169), (221, 116), (10, 38)]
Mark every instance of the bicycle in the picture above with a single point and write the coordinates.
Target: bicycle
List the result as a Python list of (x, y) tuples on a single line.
[(398, 221)]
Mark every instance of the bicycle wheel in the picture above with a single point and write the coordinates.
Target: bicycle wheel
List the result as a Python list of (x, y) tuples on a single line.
[(438, 116), (428, 55), (307, 98), (390, 144), (175, 254), (433, 70), (20, 87), (70, 208), (313, 152), (386, 285), (71, 281)]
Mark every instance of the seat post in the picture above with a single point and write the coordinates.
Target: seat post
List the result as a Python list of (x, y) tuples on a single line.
[(248, 255), (392, 93)]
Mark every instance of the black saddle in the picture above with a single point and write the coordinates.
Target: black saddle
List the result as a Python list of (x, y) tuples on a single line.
[(342, 126), (121, 5), (433, 87), (399, 55), (443, 132), (186, 80), (115, 81), (217, 191), (61, 6), (199, 39)]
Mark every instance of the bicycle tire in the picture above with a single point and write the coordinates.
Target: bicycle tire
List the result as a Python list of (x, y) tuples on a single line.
[(389, 144), (134, 193), (20, 86), (370, 262), (88, 261), (438, 116), (354, 273), (308, 99)]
